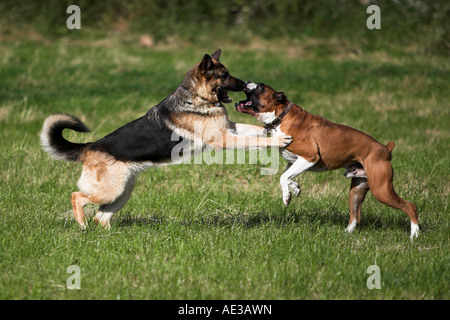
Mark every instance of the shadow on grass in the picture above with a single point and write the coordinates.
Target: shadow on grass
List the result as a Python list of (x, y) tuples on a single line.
[(151, 221), (314, 219)]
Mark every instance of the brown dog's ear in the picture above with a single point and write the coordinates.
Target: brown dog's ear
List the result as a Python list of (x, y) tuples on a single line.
[(280, 96), (206, 64), (216, 54)]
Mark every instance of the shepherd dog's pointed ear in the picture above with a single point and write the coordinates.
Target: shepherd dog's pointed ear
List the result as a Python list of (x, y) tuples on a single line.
[(216, 54), (206, 64), (280, 96)]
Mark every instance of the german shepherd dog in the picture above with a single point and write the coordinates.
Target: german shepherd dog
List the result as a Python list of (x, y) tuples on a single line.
[(111, 164)]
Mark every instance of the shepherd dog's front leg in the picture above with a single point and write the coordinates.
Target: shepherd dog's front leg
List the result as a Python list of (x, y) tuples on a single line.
[(233, 141), (243, 129)]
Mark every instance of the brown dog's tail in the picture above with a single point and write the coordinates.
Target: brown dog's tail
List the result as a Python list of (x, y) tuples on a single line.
[(390, 146)]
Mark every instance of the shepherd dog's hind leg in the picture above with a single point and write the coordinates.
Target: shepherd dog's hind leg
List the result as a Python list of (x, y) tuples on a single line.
[(106, 182), (106, 211), (79, 200)]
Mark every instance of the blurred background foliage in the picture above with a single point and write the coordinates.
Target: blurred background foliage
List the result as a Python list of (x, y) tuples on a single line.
[(404, 22)]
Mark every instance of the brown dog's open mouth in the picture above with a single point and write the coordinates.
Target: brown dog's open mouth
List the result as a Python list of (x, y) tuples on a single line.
[(243, 105), (246, 106)]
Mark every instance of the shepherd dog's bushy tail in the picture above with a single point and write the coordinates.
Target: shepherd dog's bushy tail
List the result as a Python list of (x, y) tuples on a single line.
[(53, 141)]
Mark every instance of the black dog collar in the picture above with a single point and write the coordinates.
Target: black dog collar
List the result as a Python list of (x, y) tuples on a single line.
[(276, 122)]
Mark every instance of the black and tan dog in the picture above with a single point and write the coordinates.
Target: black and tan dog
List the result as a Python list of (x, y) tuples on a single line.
[(193, 111), (321, 145)]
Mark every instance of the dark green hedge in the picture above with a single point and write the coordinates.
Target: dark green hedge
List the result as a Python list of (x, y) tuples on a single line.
[(401, 20)]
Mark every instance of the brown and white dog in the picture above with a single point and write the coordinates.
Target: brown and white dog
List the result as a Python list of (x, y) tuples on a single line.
[(321, 145), (194, 111)]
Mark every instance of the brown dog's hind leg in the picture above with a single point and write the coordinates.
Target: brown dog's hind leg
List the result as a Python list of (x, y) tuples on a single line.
[(358, 191), (380, 177)]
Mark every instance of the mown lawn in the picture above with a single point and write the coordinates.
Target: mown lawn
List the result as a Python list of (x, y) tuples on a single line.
[(221, 231)]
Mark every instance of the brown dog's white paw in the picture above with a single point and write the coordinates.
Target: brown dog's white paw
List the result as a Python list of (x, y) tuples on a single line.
[(295, 188), (415, 230), (286, 198), (351, 226)]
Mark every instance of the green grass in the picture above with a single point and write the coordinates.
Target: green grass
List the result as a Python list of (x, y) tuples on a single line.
[(221, 231)]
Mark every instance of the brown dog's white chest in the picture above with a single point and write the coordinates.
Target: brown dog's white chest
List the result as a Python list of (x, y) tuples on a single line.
[(291, 157)]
